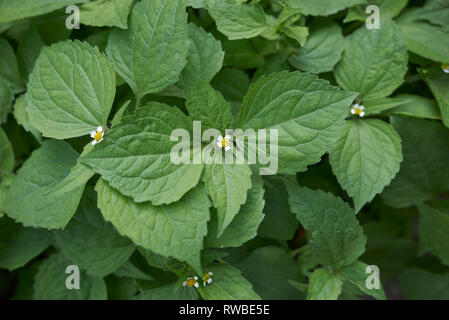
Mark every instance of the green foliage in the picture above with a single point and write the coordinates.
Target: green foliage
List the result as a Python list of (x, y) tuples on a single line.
[(103, 13), (324, 285), (150, 55), (50, 282), (357, 134), (304, 134), (336, 238), (154, 178), (365, 158), (374, 62), (68, 102), (322, 50), (25, 201)]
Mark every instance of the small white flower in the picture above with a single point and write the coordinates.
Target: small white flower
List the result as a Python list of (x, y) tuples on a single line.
[(445, 67), (191, 282), (358, 110), (224, 142), (207, 279), (97, 135)]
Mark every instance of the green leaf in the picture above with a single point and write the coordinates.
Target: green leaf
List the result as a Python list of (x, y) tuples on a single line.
[(70, 91), (237, 21), (158, 261), (120, 288), (322, 50), (420, 176), (6, 98), (227, 185), (386, 7), (279, 223), (436, 12), (417, 107), (434, 232), (118, 116), (11, 10), (227, 284), (242, 54), (9, 69), (374, 62), (131, 270), (424, 39), (6, 154), (245, 223), (205, 104), (19, 245), (26, 201), (356, 275), (92, 243), (439, 84), (298, 33), (29, 50), (151, 54), (322, 7), (168, 292), (195, 3), (306, 111), (232, 83), (336, 236), (269, 269), (176, 230), (22, 117), (145, 136), (205, 57), (50, 282), (79, 175), (365, 158), (380, 105), (324, 285), (423, 285), (106, 13)]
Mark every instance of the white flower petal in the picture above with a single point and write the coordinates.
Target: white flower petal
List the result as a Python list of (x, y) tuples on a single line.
[(352, 111), (92, 134), (195, 277), (219, 144), (209, 280), (99, 128), (196, 285), (184, 283), (362, 114), (94, 142), (227, 137), (362, 107), (211, 273), (227, 148)]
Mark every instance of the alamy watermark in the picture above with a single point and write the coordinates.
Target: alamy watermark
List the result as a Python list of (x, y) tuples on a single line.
[(373, 21), (72, 282), (373, 280), (235, 147)]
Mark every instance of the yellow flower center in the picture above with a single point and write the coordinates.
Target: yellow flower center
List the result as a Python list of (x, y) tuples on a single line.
[(206, 277), (191, 282), (445, 66), (224, 142), (98, 136), (357, 111)]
